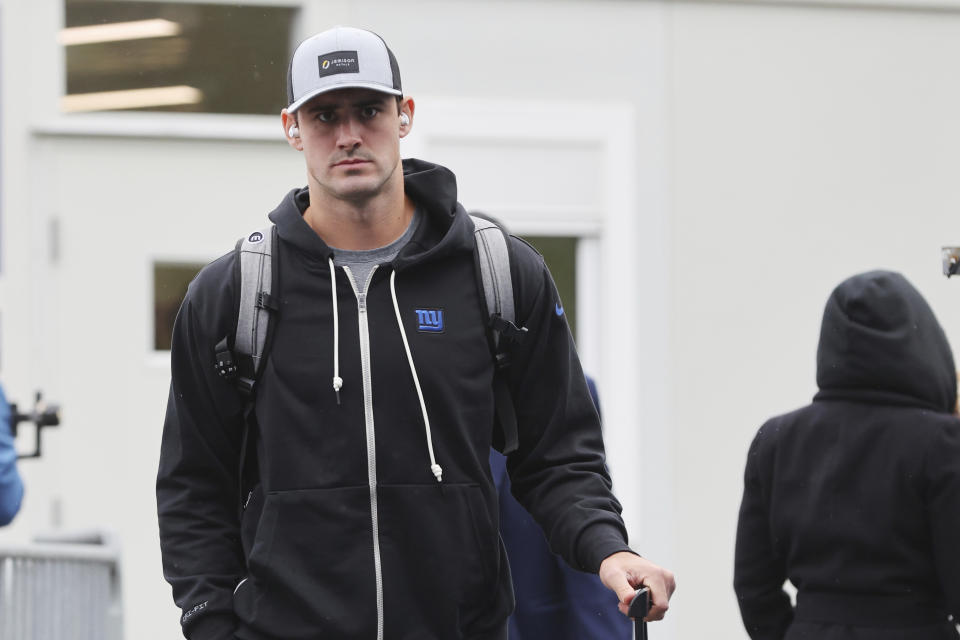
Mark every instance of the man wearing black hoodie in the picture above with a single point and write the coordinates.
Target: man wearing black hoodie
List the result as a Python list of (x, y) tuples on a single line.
[(374, 514), (856, 498)]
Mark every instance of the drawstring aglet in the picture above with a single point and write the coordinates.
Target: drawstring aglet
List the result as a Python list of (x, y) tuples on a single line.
[(337, 384), (437, 471)]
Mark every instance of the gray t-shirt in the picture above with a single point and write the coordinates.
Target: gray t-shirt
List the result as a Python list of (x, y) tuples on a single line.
[(362, 262)]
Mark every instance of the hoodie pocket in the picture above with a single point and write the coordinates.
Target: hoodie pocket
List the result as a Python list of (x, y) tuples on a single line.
[(311, 567), (440, 556)]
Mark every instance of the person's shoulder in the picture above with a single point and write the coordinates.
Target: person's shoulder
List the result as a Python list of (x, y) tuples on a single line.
[(211, 299), (524, 256), (215, 276), (938, 436), (776, 428), (529, 275)]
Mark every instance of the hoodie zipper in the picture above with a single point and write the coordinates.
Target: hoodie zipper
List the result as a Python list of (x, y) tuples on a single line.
[(364, 330)]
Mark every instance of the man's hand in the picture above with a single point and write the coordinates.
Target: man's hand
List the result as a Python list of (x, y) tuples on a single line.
[(624, 573)]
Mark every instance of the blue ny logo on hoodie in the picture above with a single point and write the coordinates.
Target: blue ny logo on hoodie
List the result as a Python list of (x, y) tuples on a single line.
[(430, 320)]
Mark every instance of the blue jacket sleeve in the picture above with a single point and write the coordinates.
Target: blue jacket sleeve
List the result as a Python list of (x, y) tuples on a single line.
[(11, 487), (553, 600)]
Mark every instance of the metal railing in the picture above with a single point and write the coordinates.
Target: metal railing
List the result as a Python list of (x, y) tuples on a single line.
[(61, 588)]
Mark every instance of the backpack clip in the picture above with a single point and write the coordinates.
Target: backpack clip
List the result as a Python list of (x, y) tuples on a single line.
[(224, 362), (507, 330)]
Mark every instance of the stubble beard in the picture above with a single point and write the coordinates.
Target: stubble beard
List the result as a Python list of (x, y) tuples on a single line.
[(360, 195)]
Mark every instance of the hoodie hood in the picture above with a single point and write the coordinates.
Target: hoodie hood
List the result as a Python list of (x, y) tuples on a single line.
[(880, 335), (446, 227)]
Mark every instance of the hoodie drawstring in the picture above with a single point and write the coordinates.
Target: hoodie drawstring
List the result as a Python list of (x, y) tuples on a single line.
[(434, 467), (337, 380)]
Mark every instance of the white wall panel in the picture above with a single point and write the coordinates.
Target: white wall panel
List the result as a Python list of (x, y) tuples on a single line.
[(809, 144), (547, 175)]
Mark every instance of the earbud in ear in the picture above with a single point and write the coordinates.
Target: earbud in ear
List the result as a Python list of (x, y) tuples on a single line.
[(404, 119), (293, 131)]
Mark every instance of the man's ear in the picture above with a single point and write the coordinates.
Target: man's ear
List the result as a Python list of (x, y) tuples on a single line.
[(407, 107), (291, 130)]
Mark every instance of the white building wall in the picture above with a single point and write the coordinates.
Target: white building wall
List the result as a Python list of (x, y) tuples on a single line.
[(772, 150), (808, 144)]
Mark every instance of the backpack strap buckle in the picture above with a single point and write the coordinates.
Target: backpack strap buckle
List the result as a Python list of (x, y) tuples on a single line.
[(225, 363), (507, 330)]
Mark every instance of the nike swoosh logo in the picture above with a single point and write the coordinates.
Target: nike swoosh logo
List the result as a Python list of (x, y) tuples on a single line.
[(558, 309)]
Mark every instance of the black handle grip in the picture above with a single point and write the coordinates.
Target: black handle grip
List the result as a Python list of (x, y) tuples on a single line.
[(638, 610)]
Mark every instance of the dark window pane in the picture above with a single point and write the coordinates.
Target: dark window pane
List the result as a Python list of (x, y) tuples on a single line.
[(169, 56), (560, 254), (169, 287)]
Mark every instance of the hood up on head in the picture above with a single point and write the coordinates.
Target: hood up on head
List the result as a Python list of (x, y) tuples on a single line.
[(880, 335)]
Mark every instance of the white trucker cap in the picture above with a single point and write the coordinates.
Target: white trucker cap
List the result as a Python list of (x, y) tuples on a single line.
[(341, 58)]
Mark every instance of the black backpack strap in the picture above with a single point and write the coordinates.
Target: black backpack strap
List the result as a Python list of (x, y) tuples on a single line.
[(492, 256)]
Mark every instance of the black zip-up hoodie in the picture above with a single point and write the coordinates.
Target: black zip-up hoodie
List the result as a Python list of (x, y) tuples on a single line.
[(856, 497), (349, 534)]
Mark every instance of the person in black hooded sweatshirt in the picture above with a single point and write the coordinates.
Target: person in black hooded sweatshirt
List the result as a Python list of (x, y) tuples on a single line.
[(855, 498), (367, 509)]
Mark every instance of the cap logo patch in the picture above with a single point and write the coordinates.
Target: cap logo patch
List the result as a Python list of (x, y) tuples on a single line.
[(338, 62)]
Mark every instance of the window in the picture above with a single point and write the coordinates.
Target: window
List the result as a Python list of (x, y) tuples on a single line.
[(175, 56), (170, 282)]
